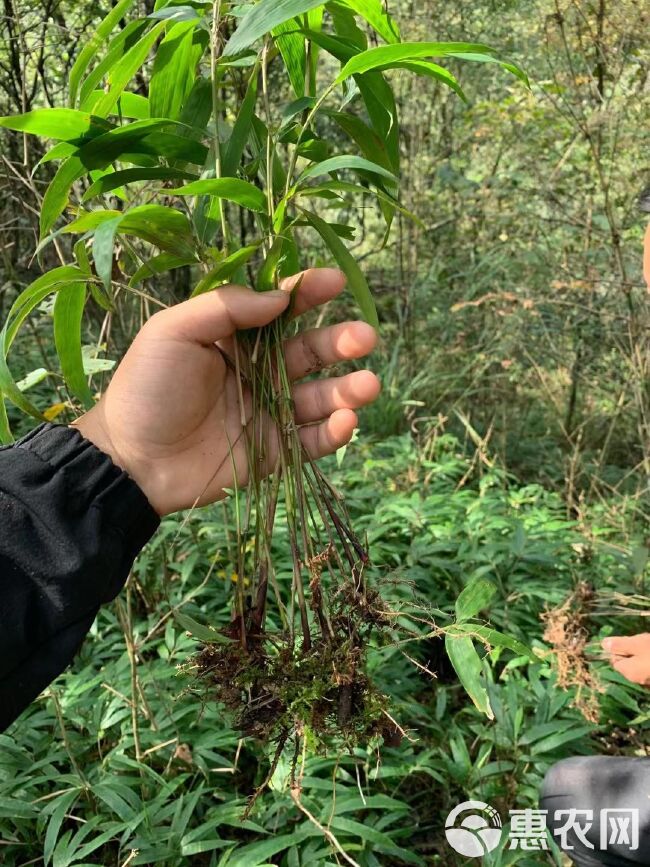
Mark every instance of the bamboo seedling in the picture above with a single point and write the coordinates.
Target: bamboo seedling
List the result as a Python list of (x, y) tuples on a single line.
[(207, 172)]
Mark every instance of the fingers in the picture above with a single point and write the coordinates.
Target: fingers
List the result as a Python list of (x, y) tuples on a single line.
[(631, 645), (635, 669), (217, 315), (315, 287), (318, 400), (330, 435), (314, 350)]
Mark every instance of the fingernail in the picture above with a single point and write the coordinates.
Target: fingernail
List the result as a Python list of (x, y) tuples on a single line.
[(607, 644), (278, 293)]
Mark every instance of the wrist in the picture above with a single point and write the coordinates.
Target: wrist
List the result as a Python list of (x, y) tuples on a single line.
[(94, 428)]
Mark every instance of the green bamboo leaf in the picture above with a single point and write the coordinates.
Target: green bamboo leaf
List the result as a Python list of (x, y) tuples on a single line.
[(129, 105), (263, 18), (6, 437), (108, 147), (380, 842), (333, 187), (345, 24), (178, 13), (474, 598), (493, 638), (431, 70), (477, 57), (242, 128), (174, 68), (225, 269), (60, 151), (298, 106), (103, 248), (467, 665), (32, 296), (100, 152), (232, 189), (89, 221), (56, 195), (375, 14), (101, 298), (381, 106), (267, 276), (336, 164), (371, 145), (27, 301), (198, 630), (68, 315), (197, 108), (117, 48), (110, 182), (385, 55), (34, 378), (160, 264), (165, 228), (314, 23), (81, 257), (257, 854), (91, 48), (143, 137), (291, 43), (127, 67), (13, 393), (348, 264), (341, 48), (61, 124)]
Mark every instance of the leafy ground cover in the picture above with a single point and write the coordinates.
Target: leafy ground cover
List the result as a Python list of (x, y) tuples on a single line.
[(120, 763)]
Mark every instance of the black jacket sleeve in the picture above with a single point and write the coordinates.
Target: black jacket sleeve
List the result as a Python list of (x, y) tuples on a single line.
[(71, 525)]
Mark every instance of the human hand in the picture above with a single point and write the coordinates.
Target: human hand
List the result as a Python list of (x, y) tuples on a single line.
[(171, 415), (630, 656)]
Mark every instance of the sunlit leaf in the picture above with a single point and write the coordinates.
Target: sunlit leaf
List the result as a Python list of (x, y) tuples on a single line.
[(62, 124), (174, 69), (117, 48), (336, 164), (374, 12), (232, 189), (90, 49), (385, 55), (263, 18), (124, 71)]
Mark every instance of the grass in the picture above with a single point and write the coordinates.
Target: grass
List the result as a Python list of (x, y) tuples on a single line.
[(120, 762)]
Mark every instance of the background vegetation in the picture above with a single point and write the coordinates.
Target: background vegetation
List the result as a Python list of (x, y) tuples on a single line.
[(512, 441)]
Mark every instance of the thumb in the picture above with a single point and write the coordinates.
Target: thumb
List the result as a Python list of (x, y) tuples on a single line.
[(218, 314)]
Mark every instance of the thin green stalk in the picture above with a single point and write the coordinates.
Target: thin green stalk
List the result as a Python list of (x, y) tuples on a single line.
[(215, 49)]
